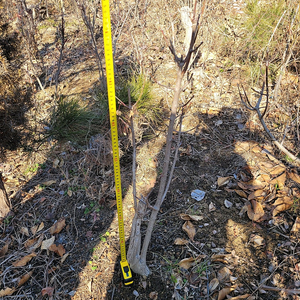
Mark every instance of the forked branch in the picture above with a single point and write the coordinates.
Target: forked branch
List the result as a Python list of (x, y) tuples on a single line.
[(257, 108)]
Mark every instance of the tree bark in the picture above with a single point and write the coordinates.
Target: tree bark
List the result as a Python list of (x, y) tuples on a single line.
[(5, 204)]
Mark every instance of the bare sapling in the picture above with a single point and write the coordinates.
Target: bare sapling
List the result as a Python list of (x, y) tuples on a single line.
[(137, 251), (261, 111)]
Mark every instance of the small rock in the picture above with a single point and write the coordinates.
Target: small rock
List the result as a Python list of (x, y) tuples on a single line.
[(136, 293)]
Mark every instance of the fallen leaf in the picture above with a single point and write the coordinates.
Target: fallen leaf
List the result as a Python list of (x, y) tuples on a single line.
[(187, 263), (33, 229), (38, 243), (246, 296), (219, 258), (3, 250), (64, 257), (48, 291), (211, 207), (60, 250), (294, 176), (153, 295), (47, 243), (223, 180), (189, 228), (277, 170), (70, 193), (264, 177), (25, 278), (58, 226), (49, 182), (7, 291), (241, 193), (55, 163), (24, 260), (30, 242), (24, 230), (257, 240), (282, 204), (256, 211), (224, 275), (213, 284), (251, 185), (180, 241), (187, 217), (279, 181), (296, 225), (225, 291), (256, 194), (41, 227)]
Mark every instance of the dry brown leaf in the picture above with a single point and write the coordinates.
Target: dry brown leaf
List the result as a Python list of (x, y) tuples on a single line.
[(58, 226), (48, 291), (277, 170), (3, 250), (240, 297), (38, 243), (187, 217), (224, 275), (47, 243), (255, 211), (41, 227), (251, 185), (241, 193), (256, 149), (7, 292), (211, 207), (30, 242), (219, 258), (60, 250), (256, 194), (294, 176), (24, 230), (64, 257), (279, 181), (189, 228), (24, 260), (296, 225), (49, 182), (264, 178), (25, 278), (33, 229), (224, 292), (223, 180), (180, 241), (282, 204), (213, 284), (187, 263)]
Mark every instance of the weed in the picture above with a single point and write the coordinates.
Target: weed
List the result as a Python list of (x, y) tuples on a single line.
[(74, 121)]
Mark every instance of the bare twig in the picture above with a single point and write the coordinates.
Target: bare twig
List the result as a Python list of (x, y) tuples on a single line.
[(257, 108)]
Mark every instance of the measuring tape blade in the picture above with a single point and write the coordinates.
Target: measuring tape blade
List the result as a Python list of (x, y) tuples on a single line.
[(127, 276)]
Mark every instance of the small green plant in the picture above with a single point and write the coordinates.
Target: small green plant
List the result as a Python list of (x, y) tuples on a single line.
[(74, 121), (7, 220), (104, 236)]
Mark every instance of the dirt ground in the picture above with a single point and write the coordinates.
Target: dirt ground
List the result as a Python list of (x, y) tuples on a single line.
[(239, 242)]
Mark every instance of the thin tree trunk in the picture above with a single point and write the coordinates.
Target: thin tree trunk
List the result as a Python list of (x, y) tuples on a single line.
[(4, 200)]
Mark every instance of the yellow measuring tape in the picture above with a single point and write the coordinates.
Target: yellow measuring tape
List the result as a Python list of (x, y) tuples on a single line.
[(127, 276)]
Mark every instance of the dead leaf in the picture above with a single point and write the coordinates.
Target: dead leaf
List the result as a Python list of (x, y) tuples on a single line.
[(7, 292), (24, 260), (187, 263), (257, 240), (49, 182), (3, 250), (187, 217), (34, 229), (219, 258), (41, 227), (279, 181), (255, 210), (224, 275), (60, 250), (251, 185), (30, 242), (211, 207), (38, 243), (189, 228), (24, 230), (277, 170), (213, 284), (282, 204), (256, 194), (240, 297), (296, 225), (48, 291), (25, 278), (64, 257), (55, 163), (153, 295), (294, 176), (225, 291), (70, 193), (47, 243), (180, 241), (223, 180), (241, 193), (58, 226), (264, 178)]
